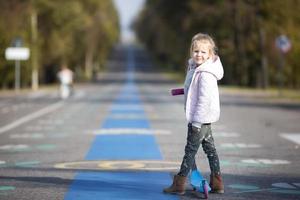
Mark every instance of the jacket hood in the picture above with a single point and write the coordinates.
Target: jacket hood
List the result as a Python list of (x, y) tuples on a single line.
[(213, 66)]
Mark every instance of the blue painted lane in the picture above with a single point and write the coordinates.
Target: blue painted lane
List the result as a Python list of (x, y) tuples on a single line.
[(123, 185), (124, 147), (119, 186), (125, 123), (125, 111)]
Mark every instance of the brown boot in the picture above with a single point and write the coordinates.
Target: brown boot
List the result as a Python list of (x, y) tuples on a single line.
[(216, 184), (178, 185)]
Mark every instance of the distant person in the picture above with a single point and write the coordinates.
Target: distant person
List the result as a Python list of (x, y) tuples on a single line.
[(202, 107), (65, 76)]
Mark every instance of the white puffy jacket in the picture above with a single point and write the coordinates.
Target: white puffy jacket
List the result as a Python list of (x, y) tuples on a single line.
[(203, 104)]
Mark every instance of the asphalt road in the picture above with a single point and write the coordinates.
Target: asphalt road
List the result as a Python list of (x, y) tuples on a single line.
[(123, 137)]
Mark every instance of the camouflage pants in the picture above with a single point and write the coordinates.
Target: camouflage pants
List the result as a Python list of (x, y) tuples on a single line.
[(197, 136)]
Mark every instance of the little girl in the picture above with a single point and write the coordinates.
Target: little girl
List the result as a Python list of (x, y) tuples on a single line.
[(202, 107)]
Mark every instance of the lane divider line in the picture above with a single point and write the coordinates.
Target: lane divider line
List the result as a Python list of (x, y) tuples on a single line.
[(31, 117)]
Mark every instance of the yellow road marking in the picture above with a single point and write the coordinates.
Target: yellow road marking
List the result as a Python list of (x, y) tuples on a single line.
[(149, 165)]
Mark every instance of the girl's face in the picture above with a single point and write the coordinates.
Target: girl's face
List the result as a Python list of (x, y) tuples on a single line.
[(201, 52)]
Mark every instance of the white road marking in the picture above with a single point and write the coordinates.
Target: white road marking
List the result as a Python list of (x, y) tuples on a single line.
[(266, 161), (117, 131), (239, 145), (127, 116), (294, 137), (14, 147), (284, 185), (226, 134), (30, 117), (297, 184), (26, 135), (126, 107)]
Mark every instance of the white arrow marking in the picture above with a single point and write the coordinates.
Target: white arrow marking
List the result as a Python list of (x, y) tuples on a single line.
[(294, 137), (283, 185), (297, 184)]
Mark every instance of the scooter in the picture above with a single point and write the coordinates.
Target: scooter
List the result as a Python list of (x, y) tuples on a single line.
[(199, 183)]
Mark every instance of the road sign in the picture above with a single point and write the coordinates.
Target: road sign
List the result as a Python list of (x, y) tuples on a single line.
[(283, 43), (17, 53)]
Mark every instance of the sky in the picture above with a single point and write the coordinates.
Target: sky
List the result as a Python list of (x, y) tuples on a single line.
[(128, 10)]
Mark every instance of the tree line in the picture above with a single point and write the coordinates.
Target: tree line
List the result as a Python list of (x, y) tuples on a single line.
[(245, 32), (78, 33)]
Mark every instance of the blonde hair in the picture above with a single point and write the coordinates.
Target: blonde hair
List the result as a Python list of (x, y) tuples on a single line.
[(203, 38)]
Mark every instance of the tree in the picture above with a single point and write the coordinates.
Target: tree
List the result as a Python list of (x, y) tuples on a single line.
[(79, 33), (244, 30)]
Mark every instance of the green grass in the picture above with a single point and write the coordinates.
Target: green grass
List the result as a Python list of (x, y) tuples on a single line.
[(270, 93)]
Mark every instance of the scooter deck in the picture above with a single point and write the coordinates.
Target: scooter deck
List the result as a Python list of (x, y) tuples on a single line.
[(199, 182)]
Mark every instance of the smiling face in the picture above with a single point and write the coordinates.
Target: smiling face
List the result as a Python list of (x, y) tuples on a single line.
[(201, 52)]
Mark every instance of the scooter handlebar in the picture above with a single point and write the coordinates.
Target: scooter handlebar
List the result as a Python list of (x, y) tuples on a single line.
[(177, 91)]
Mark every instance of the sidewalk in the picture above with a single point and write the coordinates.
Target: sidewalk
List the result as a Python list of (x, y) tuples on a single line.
[(28, 91), (286, 96), (43, 89)]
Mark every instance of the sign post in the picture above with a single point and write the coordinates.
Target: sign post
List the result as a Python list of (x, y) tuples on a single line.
[(284, 45), (17, 54), (17, 74)]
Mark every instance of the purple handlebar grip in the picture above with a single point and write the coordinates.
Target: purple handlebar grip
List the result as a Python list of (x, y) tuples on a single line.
[(177, 91)]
